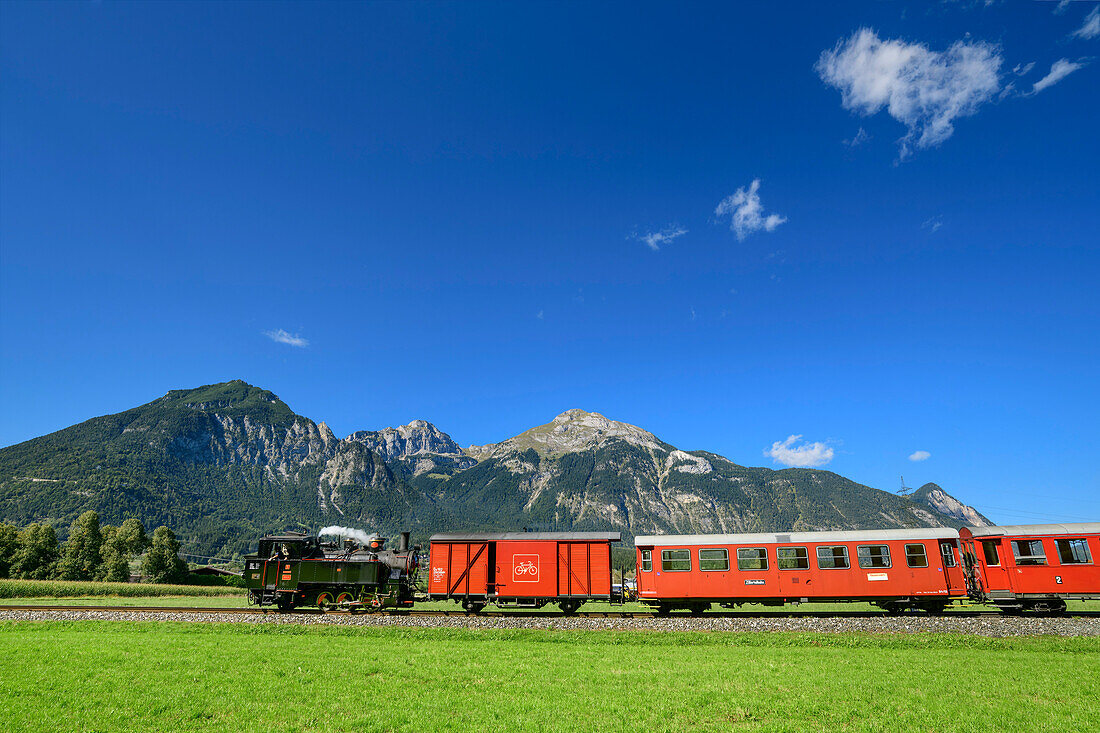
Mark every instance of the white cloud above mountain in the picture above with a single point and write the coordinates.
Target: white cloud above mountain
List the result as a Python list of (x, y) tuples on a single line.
[(925, 90), (655, 240), (746, 213), (1059, 70), (281, 336), (1091, 26), (795, 452)]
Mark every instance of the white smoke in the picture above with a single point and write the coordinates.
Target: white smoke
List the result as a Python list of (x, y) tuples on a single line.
[(356, 534)]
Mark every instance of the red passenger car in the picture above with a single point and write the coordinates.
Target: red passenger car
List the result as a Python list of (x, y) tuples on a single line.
[(1034, 567), (894, 568), (522, 569)]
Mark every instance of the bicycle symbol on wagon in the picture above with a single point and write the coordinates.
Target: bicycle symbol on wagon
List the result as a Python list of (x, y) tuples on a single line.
[(527, 567)]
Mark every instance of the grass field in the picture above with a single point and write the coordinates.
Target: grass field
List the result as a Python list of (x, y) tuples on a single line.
[(83, 676)]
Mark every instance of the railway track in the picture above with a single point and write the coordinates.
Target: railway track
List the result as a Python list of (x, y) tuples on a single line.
[(509, 614)]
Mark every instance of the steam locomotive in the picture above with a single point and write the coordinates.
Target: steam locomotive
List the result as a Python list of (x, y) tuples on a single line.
[(294, 569)]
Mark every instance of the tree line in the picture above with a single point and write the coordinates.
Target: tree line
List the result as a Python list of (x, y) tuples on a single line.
[(93, 551)]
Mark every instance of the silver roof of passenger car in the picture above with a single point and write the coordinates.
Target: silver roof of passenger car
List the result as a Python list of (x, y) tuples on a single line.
[(1030, 530), (531, 536), (855, 535)]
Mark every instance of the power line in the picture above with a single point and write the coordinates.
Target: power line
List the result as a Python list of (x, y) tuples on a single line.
[(204, 557)]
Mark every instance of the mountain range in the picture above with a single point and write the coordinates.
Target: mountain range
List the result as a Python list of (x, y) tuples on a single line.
[(225, 463)]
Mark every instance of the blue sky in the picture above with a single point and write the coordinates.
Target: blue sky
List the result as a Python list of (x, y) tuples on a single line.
[(483, 215)]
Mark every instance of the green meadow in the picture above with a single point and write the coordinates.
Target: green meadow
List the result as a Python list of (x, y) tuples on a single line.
[(121, 676)]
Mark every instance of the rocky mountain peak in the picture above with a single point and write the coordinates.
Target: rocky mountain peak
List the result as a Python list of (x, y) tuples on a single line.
[(419, 437), (237, 399), (570, 432), (931, 495)]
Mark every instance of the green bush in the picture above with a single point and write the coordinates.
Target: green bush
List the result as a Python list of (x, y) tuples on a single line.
[(78, 588)]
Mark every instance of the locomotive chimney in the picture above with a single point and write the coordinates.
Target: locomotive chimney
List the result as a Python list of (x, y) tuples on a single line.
[(403, 543)]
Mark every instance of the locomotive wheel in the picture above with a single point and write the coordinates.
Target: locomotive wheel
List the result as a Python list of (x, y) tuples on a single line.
[(285, 603), (324, 598), (345, 597)]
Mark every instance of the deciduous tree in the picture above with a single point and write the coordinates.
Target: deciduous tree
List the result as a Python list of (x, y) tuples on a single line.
[(36, 556), (120, 544), (162, 563), (9, 543), (80, 556)]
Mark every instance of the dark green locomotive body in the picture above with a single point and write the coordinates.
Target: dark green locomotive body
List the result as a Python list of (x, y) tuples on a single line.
[(295, 570)]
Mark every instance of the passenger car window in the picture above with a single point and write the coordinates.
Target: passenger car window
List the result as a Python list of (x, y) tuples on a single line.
[(714, 559), (1073, 552), (792, 558), (647, 560), (916, 556), (752, 558), (947, 551), (1029, 552), (992, 554), (873, 556), (832, 558), (675, 560)]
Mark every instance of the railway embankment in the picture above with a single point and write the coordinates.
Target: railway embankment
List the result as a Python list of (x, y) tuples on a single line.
[(989, 625)]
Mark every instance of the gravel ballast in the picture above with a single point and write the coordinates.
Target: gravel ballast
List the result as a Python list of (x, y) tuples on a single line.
[(995, 626)]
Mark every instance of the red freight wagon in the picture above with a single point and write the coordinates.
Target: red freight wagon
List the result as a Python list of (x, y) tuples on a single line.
[(894, 568), (522, 569), (1034, 567)]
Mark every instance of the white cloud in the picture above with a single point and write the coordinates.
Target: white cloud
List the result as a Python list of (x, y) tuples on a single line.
[(1059, 70), (932, 224), (1021, 69), (924, 90), (1061, 7), (1091, 27), (920, 455), (540, 315), (746, 212), (282, 337), (654, 240), (858, 139), (790, 452)]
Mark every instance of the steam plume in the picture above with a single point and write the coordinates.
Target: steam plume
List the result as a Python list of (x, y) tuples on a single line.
[(356, 534)]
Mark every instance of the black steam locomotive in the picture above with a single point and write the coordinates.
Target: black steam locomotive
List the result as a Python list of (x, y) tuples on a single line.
[(297, 570)]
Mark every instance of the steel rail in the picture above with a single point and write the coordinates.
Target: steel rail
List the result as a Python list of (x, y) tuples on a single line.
[(531, 614)]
